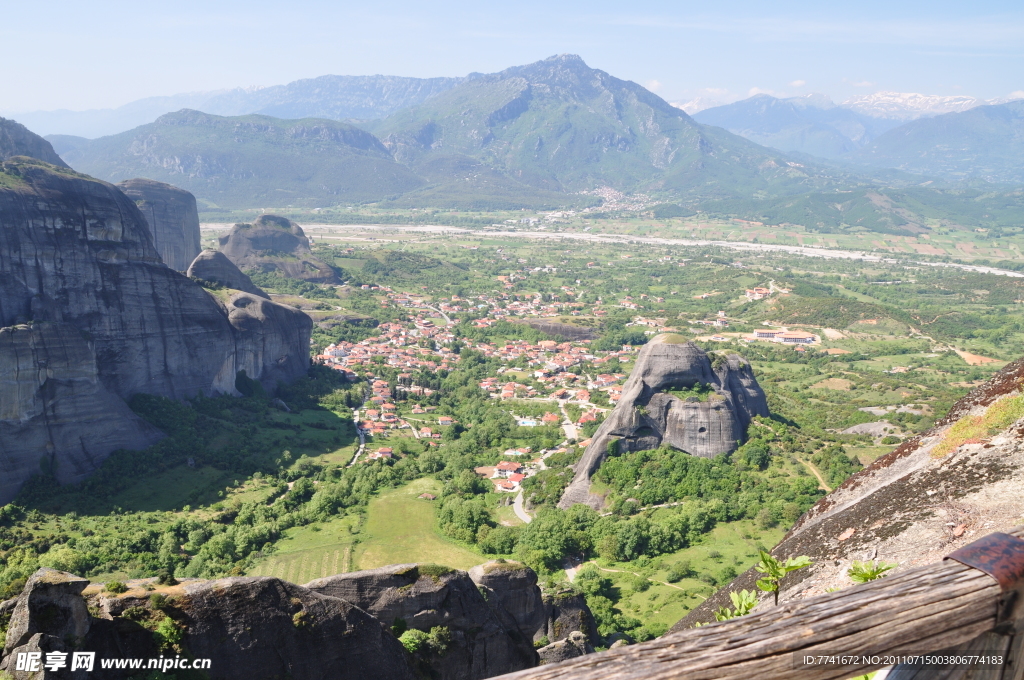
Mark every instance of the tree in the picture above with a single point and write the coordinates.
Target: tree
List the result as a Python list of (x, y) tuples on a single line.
[(775, 570)]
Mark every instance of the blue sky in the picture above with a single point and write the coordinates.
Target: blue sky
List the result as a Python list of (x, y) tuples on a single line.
[(102, 54)]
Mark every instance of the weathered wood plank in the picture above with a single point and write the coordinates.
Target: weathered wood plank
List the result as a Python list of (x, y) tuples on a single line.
[(925, 609)]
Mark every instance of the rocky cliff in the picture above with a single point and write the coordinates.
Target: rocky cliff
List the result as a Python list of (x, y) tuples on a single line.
[(343, 626), (723, 398), (485, 640), (932, 495), (17, 140), (275, 244), (102, 319), (172, 217)]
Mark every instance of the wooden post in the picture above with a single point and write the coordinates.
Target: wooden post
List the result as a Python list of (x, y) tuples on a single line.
[(927, 609)]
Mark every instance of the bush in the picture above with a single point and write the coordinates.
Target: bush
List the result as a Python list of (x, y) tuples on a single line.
[(889, 440), (679, 571), (168, 635), (413, 640), (116, 587)]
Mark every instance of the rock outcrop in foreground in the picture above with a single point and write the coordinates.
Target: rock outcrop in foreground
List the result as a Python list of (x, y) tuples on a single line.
[(90, 315), (172, 217), (648, 416), (343, 626), (935, 493), (275, 244)]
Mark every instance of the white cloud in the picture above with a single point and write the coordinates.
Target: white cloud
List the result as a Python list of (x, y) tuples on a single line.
[(1016, 94), (798, 83), (653, 85)]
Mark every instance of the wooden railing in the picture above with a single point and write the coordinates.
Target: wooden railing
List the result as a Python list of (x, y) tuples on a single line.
[(947, 606)]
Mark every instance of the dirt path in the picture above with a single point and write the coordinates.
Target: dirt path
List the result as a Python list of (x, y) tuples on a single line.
[(621, 571), (817, 473)]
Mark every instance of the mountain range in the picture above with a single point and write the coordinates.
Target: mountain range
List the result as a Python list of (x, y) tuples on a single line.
[(539, 136), (953, 138)]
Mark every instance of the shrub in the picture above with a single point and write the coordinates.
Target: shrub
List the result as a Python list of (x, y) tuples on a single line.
[(413, 640), (116, 587), (168, 635)]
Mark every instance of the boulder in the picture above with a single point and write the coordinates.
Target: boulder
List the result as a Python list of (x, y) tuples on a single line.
[(574, 645), (172, 217), (512, 586), (17, 140), (484, 642), (77, 251), (215, 267), (50, 604), (275, 244), (647, 416)]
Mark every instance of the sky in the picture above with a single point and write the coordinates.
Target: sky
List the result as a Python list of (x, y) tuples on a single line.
[(102, 54)]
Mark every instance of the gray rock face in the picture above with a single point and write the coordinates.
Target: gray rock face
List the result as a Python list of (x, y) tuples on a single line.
[(484, 643), (18, 140), (214, 266), (249, 628), (265, 628), (565, 612), (275, 244), (512, 587), (51, 604), (172, 217), (54, 410), (76, 251), (576, 644), (646, 416)]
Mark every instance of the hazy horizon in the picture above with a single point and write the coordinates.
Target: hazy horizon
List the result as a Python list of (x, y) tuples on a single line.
[(105, 57)]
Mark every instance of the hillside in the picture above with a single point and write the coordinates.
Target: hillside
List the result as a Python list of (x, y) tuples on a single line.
[(246, 161), (16, 140), (986, 142), (935, 493)]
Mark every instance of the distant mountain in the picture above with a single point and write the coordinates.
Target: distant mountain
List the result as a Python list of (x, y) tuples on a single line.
[(904, 106), (335, 97), (247, 161), (986, 142), (812, 124), (560, 125), (697, 105)]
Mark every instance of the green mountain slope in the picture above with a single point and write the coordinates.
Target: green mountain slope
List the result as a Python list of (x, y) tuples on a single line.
[(560, 125), (986, 142), (247, 161)]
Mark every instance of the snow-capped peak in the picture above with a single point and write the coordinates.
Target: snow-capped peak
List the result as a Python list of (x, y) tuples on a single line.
[(909, 105)]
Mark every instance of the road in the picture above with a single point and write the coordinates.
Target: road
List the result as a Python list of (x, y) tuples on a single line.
[(567, 426), (362, 437), (446, 319), (520, 510)]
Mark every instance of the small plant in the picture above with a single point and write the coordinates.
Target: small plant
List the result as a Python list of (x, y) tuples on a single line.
[(775, 570), (157, 601), (300, 619), (542, 642), (743, 603), (862, 572), (413, 640), (399, 627), (116, 587), (165, 578), (135, 614)]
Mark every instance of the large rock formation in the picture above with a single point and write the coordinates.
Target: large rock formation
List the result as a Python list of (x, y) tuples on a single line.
[(172, 217), (932, 495), (247, 627), (275, 244), (214, 266), (647, 416), (17, 140), (485, 640), (512, 588), (77, 261), (55, 413)]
